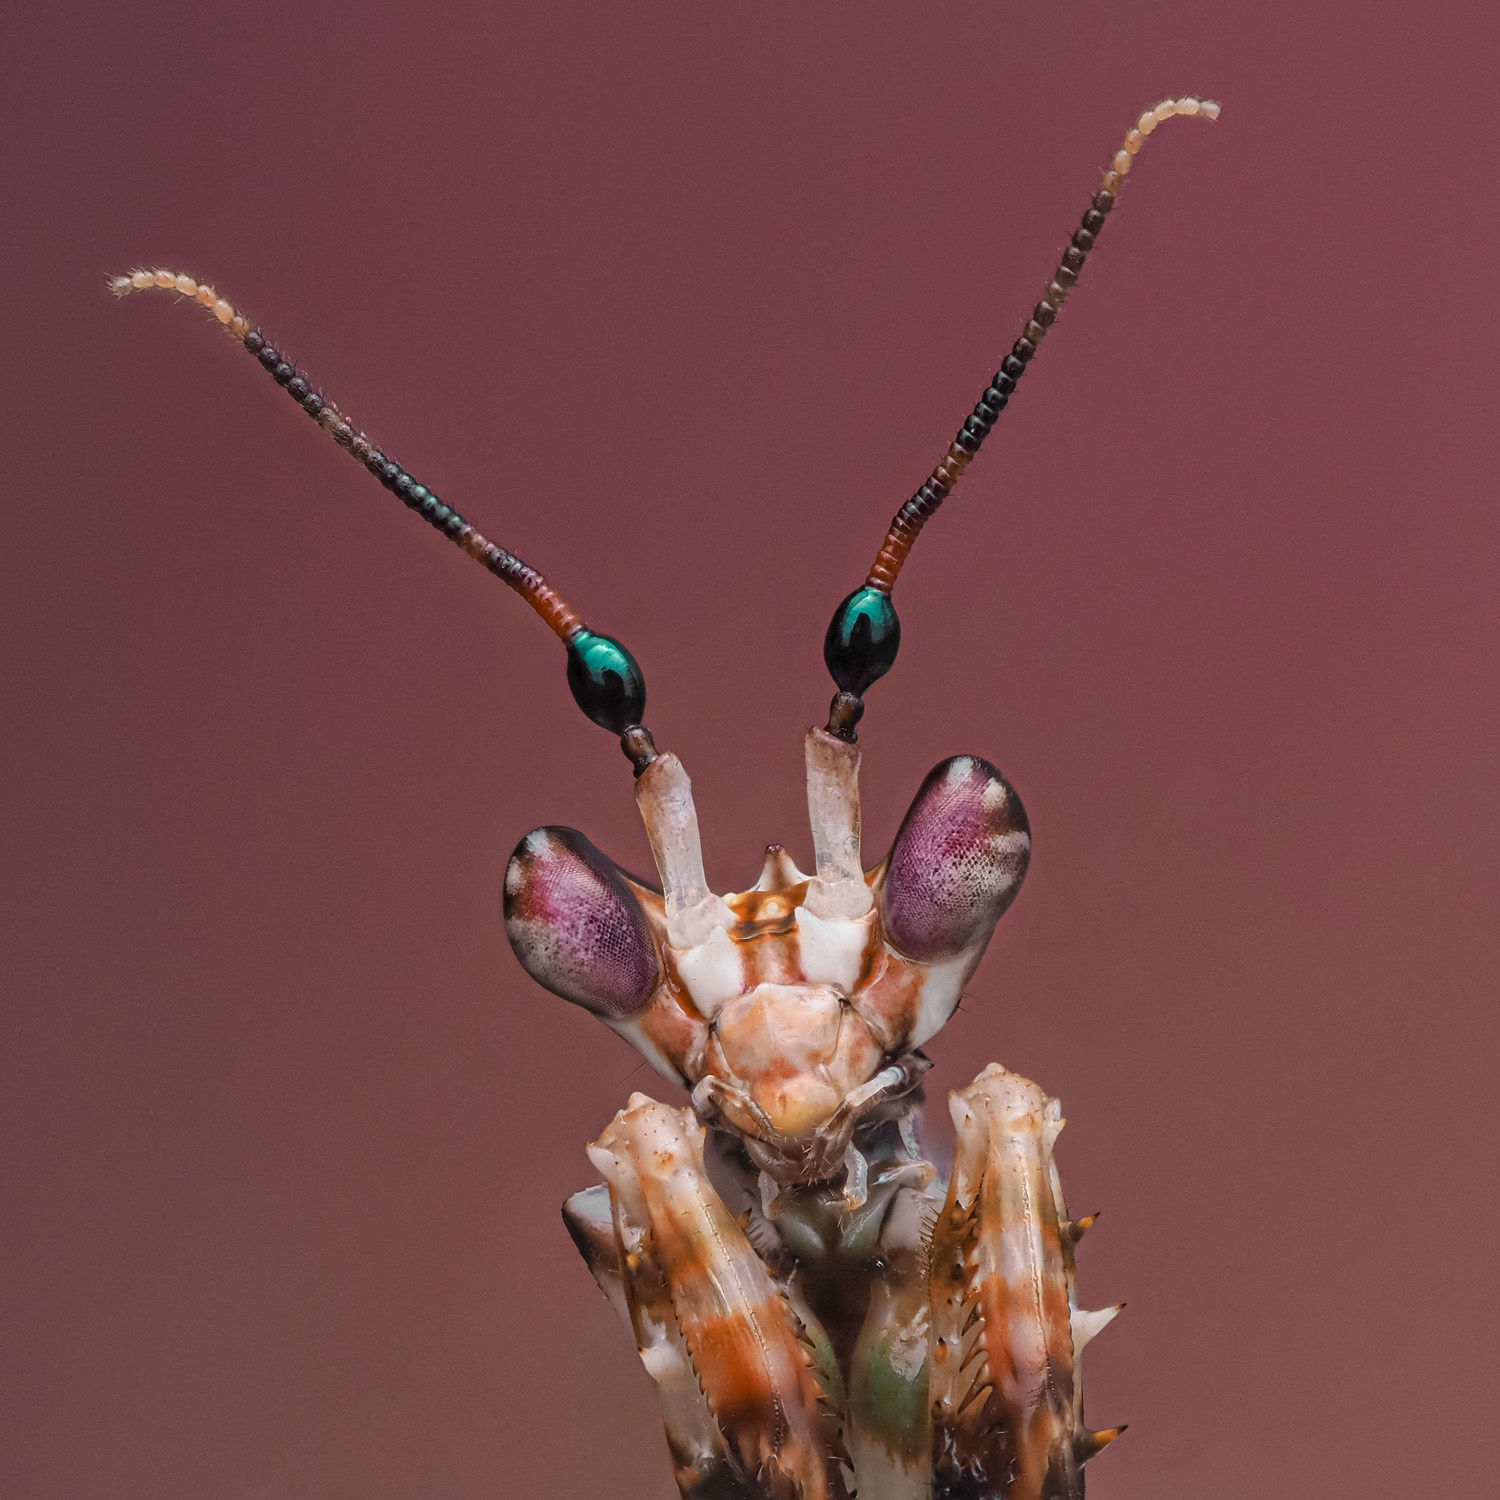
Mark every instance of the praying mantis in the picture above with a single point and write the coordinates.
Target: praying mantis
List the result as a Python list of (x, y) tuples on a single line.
[(822, 1317)]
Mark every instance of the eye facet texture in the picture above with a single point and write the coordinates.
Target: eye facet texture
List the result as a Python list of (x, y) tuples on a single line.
[(958, 860), (575, 925)]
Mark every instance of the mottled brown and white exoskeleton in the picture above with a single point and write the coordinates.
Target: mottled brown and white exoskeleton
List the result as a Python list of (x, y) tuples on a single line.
[(820, 1315)]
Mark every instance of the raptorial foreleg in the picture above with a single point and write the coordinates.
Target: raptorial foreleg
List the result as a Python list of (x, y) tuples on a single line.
[(700, 1456), (1006, 1392), (705, 1307)]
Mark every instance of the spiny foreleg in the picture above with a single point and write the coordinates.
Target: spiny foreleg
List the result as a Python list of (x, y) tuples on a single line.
[(700, 1456), (1006, 1389), (703, 1302)]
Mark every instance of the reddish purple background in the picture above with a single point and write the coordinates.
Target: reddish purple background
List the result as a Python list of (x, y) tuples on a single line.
[(680, 301)]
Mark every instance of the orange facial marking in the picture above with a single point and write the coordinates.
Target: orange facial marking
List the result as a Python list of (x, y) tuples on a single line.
[(890, 997)]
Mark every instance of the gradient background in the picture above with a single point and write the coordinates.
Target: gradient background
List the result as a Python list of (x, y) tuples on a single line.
[(680, 301)]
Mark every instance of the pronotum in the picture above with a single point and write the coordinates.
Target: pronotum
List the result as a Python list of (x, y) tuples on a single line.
[(820, 1315)]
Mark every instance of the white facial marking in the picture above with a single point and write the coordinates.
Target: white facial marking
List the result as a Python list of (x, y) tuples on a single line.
[(942, 984), (832, 951), (712, 971)]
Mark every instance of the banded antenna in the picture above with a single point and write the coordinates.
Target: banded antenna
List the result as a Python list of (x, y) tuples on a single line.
[(865, 632), (605, 679)]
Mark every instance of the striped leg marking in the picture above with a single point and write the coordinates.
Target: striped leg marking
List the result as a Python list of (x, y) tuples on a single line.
[(708, 1315), (700, 1457), (1007, 1396)]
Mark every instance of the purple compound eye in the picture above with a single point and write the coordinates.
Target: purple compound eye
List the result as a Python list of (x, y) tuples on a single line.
[(575, 925), (958, 861)]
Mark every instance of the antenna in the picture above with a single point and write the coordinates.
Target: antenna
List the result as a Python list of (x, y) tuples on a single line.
[(606, 681), (865, 632)]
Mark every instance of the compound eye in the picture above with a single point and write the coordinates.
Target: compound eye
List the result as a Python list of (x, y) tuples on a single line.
[(576, 926), (957, 863)]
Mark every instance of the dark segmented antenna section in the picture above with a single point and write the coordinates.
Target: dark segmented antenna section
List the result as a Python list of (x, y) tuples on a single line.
[(605, 679), (865, 631)]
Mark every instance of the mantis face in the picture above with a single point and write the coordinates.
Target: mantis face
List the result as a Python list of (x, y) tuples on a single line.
[(793, 1010)]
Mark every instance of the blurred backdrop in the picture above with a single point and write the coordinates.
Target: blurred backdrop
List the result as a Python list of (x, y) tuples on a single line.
[(680, 301)]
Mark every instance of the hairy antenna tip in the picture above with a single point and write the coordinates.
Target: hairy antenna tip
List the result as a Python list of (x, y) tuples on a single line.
[(185, 286), (1135, 137)]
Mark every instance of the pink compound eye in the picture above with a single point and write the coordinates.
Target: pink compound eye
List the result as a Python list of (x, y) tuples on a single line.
[(957, 863), (576, 926)]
